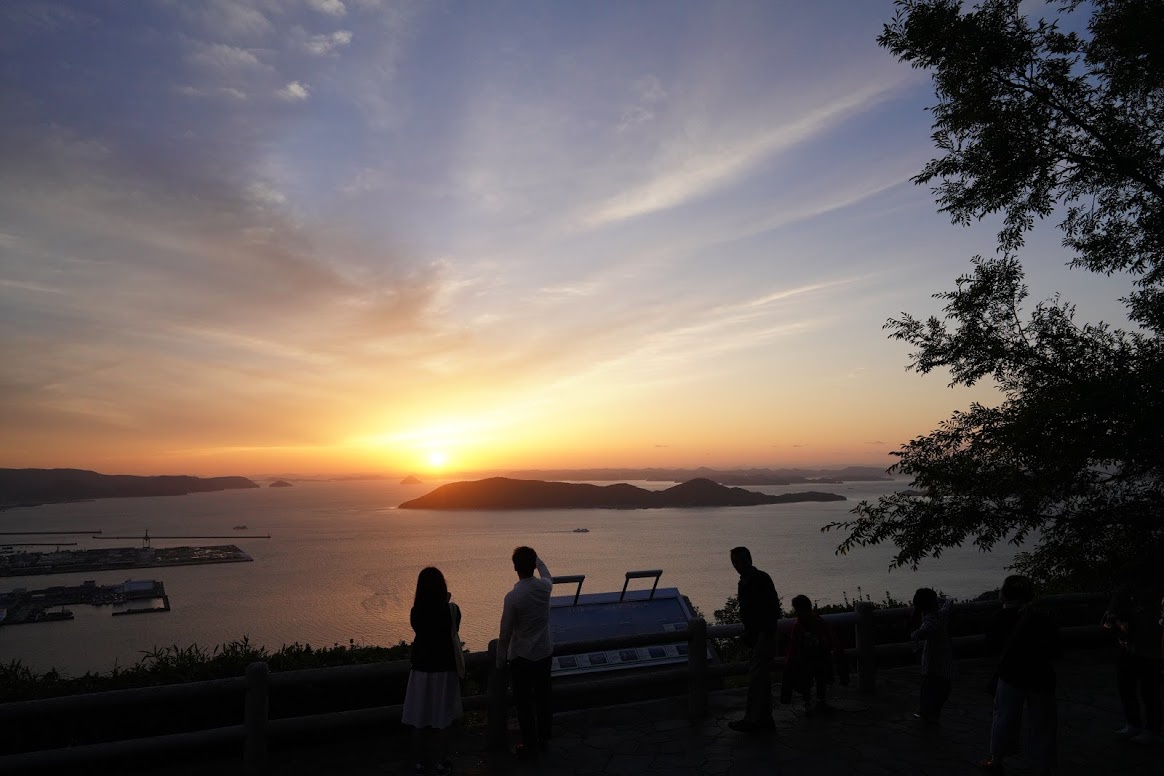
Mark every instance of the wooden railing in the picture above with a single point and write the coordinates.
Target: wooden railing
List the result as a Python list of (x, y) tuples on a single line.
[(255, 688)]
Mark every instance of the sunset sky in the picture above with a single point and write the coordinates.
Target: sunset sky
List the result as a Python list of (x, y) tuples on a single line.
[(353, 235)]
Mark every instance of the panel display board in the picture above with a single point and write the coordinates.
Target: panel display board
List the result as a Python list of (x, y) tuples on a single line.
[(603, 615)]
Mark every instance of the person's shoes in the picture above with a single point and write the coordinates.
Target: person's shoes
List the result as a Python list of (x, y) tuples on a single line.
[(443, 768), (523, 752), (1145, 738), (1127, 732), (990, 765), (420, 769), (747, 726)]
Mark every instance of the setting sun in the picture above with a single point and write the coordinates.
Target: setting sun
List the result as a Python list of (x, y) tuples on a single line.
[(437, 459)]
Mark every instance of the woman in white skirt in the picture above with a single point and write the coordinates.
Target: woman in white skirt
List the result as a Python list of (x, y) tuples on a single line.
[(432, 701)]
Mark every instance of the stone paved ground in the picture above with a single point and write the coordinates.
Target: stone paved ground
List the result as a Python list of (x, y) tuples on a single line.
[(865, 735)]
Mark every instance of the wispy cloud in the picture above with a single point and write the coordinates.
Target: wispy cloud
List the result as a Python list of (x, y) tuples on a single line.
[(328, 7), (648, 92), (25, 285), (229, 19), (225, 92), (221, 57), (371, 78), (324, 44), (294, 92), (705, 170)]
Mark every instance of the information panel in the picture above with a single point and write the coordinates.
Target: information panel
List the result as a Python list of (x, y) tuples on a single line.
[(603, 615)]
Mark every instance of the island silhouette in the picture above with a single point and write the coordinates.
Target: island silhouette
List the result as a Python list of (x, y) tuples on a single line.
[(506, 493), (753, 476), (29, 487)]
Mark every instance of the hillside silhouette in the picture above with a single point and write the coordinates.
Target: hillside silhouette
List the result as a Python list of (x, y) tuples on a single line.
[(506, 493), (27, 487)]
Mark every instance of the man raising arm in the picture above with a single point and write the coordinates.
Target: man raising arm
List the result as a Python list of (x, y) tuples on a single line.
[(525, 643)]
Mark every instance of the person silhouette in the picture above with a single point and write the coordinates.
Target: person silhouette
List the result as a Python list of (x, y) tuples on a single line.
[(1130, 614), (525, 645), (432, 700), (809, 657), (1025, 641), (760, 615), (932, 637)]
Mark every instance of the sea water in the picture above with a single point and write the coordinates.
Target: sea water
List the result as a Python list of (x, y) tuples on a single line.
[(342, 561)]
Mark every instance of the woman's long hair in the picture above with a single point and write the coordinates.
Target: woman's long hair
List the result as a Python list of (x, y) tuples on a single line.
[(431, 589)]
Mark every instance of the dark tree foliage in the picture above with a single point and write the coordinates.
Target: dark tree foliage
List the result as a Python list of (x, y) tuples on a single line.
[(1034, 122)]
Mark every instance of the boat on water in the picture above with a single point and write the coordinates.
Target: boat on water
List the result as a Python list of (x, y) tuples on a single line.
[(240, 528), (581, 530)]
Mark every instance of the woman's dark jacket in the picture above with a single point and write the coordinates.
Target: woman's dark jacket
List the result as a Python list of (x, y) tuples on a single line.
[(432, 649)]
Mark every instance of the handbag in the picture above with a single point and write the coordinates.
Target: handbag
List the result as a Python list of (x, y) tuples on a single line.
[(458, 652)]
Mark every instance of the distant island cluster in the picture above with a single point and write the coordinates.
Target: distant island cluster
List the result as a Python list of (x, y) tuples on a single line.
[(754, 476), (506, 493), (531, 489)]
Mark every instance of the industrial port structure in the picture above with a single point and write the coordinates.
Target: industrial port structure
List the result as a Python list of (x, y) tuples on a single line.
[(23, 606), (24, 563), (68, 561)]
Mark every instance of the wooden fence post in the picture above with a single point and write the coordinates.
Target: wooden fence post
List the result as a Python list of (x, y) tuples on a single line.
[(866, 648), (255, 718), (497, 721), (697, 664)]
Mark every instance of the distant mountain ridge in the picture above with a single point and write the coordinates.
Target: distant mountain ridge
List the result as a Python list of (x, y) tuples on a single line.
[(507, 493), (755, 476), (28, 487)]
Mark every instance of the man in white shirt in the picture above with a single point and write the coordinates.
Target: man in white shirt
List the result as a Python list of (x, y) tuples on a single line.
[(526, 644)]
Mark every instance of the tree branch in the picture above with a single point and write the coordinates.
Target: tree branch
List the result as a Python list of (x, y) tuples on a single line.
[(1123, 164)]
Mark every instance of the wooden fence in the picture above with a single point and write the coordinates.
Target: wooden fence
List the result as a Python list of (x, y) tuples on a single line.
[(257, 686)]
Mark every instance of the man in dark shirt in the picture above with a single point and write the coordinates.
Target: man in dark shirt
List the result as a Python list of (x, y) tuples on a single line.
[(760, 613)]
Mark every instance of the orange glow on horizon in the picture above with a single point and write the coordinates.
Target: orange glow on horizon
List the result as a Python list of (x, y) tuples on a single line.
[(565, 431)]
